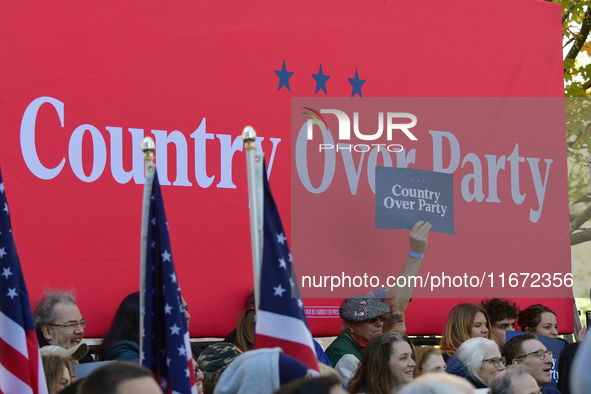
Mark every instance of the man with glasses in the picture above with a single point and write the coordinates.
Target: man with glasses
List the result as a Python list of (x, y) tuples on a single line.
[(363, 319), (58, 321), (527, 350)]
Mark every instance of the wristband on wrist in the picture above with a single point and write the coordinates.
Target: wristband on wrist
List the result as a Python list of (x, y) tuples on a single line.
[(415, 255)]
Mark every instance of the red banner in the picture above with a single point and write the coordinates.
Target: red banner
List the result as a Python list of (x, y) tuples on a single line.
[(83, 83)]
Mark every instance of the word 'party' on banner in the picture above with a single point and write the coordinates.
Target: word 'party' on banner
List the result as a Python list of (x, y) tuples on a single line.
[(492, 171)]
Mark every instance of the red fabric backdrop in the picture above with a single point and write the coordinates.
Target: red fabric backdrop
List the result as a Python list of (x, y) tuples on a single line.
[(199, 72)]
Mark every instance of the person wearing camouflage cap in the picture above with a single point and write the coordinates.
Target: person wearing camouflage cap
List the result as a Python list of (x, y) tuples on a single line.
[(363, 318), (213, 361)]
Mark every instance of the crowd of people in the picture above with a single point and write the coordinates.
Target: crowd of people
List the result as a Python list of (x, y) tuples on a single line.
[(372, 354)]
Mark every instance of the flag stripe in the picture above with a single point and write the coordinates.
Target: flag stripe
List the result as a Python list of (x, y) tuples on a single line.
[(303, 352), (292, 329), (14, 362), (35, 364), (14, 334), (11, 384), (187, 338)]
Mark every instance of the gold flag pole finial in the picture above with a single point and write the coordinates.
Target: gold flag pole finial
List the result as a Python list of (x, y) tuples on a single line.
[(148, 146), (249, 136)]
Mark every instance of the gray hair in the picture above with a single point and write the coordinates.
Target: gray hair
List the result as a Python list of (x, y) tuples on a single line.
[(471, 354), (438, 383), (45, 310), (503, 383)]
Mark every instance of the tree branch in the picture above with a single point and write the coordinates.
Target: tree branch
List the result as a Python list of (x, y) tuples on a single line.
[(571, 143), (577, 208), (574, 152), (587, 85), (570, 9), (580, 236), (582, 37), (578, 221)]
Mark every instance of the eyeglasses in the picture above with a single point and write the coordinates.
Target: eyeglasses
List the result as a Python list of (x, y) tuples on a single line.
[(382, 318), (70, 326), (496, 361), (541, 354)]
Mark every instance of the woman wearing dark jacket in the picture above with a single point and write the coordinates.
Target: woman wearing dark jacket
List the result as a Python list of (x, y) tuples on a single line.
[(478, 360), (121, 342)]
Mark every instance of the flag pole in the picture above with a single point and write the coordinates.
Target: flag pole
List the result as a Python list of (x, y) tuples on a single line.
[(252, 161), (148, 147)]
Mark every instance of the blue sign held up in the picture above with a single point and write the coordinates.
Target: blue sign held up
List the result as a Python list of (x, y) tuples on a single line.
[(404, 196)]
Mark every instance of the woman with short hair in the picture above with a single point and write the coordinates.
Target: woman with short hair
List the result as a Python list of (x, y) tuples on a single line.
[(478, 360), (429, 359), (387, 364)]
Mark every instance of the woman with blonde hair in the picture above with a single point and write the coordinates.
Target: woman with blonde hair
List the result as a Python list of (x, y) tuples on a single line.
[(465, 321), (57, 374)]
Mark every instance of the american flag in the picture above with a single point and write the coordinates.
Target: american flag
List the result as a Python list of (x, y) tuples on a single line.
[(21, 371), (280, 320), (166, 345)]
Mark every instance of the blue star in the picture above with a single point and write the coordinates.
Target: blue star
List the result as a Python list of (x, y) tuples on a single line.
[(282, 264), (3, 252), (167, 309), (356, 83), (284, 76), (281, 238), (320, 80)]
